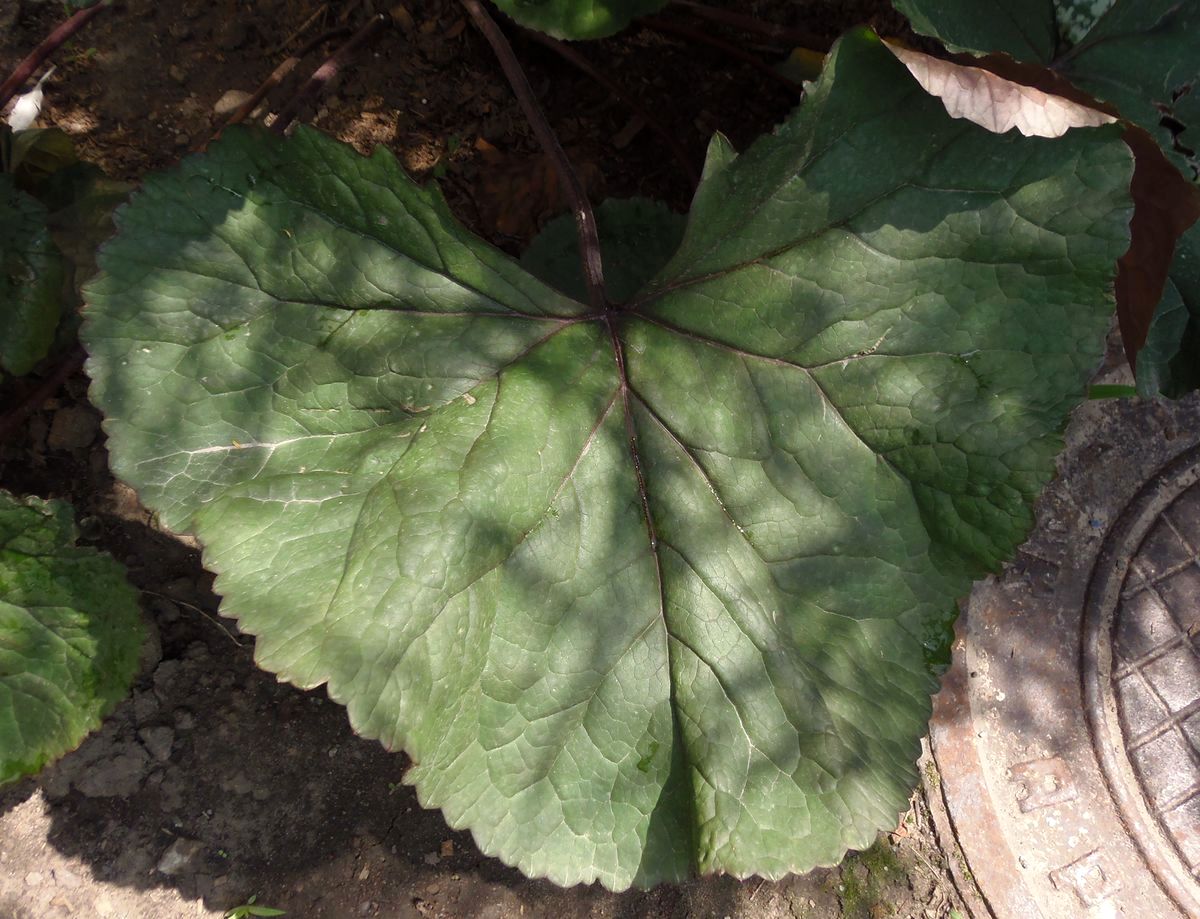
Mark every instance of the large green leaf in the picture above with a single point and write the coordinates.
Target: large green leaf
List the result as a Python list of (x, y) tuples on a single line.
[(578, 18), (1169, 364), (1141, 56), (657, 590), (31, 278), (69, 635)]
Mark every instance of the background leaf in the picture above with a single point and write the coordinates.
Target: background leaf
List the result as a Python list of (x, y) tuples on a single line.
[(31, 278), (648, 592), (69, 635), (1169, 364), (1141, 56), (1026, 29), (578, 18)]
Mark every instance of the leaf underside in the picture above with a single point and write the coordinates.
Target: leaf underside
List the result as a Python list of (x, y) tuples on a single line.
[(1140, 55), (644, 593), (69, 635)]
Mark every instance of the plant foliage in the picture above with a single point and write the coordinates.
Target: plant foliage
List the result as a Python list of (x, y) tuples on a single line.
[(1141, 55), (31, 277), (69, 635), (573, 19), (54, 212), (1142, 58), (1168, 363), (657, 590)]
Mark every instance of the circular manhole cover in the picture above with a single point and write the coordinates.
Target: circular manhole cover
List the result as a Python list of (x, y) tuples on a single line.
[(1066, 739), (1141, 672)]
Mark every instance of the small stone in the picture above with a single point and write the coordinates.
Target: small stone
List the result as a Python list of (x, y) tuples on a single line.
[(164, 676), (33, 879), (158, 742), (177, 73), (180, 30), (73, 428), (151, 651), (432, 858), (230, 102), (181, 140), (116, 777), (145, 706), (364, 874), (66, 877), (180, 856), (184, 720)]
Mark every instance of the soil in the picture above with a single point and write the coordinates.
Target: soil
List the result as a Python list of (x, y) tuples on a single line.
[(212, 782)]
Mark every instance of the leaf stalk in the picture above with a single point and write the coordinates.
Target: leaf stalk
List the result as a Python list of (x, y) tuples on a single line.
[(48, 46), (585, 220)]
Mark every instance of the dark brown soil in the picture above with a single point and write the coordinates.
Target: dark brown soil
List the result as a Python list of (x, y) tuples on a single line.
[(213, 782)]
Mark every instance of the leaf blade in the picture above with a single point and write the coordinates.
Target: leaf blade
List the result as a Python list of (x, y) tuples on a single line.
[(642, 593)]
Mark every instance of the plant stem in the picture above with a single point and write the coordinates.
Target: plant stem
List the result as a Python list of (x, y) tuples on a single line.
[(12, 419), (569, 54), (585, 220), (668, 27), (49, 45), (792, 38), (242, 112), (327, 71)]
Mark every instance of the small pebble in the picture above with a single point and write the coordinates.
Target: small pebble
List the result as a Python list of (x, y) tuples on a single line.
[(230, 102), (158, 742), (179, 855), (73, 428)]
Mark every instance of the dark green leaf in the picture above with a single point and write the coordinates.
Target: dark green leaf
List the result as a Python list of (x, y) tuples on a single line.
[(1169, 364), (646, 592), (1111, 391), (69, 635), (1026, 29), (31, 278)]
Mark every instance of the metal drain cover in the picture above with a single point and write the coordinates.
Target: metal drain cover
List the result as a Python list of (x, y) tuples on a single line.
[(1066, 739)]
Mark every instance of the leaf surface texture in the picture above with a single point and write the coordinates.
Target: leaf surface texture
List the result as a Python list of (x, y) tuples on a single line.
[(645, 593)]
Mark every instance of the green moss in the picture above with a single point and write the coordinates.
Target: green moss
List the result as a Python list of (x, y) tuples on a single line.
[(932, 779), (865, 878)]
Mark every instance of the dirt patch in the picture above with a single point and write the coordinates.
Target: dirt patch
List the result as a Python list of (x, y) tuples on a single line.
[(213, 782)]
